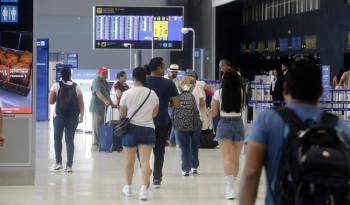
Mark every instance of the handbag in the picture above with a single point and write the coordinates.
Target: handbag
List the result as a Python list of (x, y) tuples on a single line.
[(122, 127)]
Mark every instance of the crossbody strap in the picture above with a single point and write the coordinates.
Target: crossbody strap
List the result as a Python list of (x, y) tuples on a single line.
[(149, 93)]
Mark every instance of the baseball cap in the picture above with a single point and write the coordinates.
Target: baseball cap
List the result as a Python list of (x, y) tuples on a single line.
[(102, 69)]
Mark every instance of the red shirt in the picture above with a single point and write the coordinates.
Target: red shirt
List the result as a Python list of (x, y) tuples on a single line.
[(119, 86)]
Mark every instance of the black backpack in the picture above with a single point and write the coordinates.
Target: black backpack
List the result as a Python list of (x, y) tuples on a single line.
[(67, 105), (315, 163), (187, 117)]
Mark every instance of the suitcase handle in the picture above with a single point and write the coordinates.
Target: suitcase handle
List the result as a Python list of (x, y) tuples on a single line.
[(110, 115)]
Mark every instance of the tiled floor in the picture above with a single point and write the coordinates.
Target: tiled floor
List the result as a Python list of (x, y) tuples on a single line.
[(98, 179)]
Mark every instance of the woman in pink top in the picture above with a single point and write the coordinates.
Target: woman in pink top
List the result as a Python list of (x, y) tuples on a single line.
[(120, 86)]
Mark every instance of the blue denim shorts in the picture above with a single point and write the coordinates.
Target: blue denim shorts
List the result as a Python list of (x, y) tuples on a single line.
[(230, 128), (137, 135)]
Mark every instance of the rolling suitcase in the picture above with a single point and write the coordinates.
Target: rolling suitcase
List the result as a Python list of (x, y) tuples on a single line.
[(106, 134)]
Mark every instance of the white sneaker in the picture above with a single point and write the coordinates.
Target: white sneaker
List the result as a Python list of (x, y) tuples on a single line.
[(68, 169), (185, 174), (230, 193), (127, 192), (57, 167), (143, 193), (194, 171)]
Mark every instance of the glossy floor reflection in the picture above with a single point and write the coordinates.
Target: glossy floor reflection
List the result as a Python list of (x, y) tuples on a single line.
[(99, 177)]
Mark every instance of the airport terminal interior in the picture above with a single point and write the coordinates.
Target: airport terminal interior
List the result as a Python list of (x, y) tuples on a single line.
[(109, 46)]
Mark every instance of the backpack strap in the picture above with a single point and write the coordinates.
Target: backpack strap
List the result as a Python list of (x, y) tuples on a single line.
[(61, 84), (291, 118), (328, 119), (180, 90)]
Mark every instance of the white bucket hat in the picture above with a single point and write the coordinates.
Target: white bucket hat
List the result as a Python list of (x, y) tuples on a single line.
[(174, 67)]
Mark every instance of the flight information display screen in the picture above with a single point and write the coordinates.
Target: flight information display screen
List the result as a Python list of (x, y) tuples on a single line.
[(115, 26)]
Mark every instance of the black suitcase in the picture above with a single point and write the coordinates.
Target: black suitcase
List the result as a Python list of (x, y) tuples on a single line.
[(117, 143), (207, 140)]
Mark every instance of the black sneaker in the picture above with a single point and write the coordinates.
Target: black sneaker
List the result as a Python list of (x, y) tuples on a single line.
[(156, 183)]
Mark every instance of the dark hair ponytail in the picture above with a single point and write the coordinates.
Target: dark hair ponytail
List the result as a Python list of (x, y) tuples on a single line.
[(139, 74), (231, 92)]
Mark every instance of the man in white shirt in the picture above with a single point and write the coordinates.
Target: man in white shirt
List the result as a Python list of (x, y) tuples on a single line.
[(172, 75)]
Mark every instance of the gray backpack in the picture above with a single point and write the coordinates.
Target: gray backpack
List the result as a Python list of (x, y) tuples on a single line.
[(186, 117)]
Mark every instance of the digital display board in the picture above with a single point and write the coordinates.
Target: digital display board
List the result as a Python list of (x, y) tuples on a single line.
[(271, 45), (8, 1), (311, 42), (249, 47), (8, 11), (241, 47), (325, 80), (261, 46), (253, 46), (16, 15), (296, 43), (9, 14), (283, 44), (72, 59), (114, 26), (69, 58)]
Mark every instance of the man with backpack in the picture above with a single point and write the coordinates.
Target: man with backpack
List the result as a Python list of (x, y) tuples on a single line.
[(305, 151), (69, 112)]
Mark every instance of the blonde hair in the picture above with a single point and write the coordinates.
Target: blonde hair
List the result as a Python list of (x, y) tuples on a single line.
[(188, 81)]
